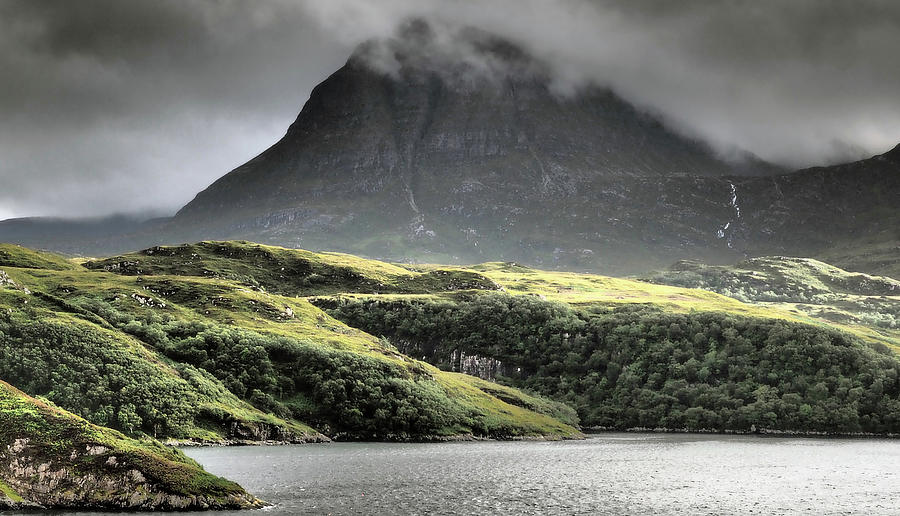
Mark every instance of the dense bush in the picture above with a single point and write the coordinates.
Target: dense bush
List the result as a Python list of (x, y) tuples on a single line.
[(337, 391), (86, 371), (342, 391), (636, 366)]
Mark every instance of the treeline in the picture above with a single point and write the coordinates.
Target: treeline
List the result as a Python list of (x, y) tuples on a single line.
[(333, 390), (637, 366)]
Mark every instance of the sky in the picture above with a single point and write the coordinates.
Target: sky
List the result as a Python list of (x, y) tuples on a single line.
[(108, 106)]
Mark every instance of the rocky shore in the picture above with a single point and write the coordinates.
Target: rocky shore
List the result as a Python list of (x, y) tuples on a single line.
[(52, 459)]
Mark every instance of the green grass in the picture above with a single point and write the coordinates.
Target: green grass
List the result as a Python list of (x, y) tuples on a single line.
[(288, 271), (12, 255), (124, 303), (804, 289), (55, 435), (9, 493), (303, 273)]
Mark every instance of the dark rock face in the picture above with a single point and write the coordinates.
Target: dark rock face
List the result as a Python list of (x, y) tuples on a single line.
[(434, 163), (486, 368), (256, 433)]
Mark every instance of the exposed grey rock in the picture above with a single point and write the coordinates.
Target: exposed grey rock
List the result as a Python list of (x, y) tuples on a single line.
[(53, 483)]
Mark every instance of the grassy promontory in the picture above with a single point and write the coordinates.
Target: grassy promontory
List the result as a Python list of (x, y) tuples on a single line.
[(50, 458)]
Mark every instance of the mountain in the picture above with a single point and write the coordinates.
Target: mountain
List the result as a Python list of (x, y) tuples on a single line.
[(415, 153), (436, 161), (83, 236)]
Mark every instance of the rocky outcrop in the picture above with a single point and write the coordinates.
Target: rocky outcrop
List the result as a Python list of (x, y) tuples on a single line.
[(242, 432), (118, 482), (486, 368), (56, 460)]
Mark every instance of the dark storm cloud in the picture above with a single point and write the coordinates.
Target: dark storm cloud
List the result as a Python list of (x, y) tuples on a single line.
[(799, 82), (114, 106), (110, 105)]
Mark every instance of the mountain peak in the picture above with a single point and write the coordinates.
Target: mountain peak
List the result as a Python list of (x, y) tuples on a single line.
[(893, 154), (454, 144), (457, 55)]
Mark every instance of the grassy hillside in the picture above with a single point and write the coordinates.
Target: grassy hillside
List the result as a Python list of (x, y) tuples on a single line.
[(54, 459), (622, 352), (18, 256), (290, 271), (218, 356), (868, 306)]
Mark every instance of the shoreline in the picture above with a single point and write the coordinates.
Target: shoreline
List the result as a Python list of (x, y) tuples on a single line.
[(761, 432), (586, 433), (347, 439)]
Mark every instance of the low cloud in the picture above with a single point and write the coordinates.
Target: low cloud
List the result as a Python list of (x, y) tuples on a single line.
[(800, 83), (113, 106)]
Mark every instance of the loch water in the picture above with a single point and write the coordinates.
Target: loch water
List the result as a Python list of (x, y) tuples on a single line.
[(640, 474)]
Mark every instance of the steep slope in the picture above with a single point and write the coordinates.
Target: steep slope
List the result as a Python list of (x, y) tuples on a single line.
[(437, 126), (52, 459), (847, 214)]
